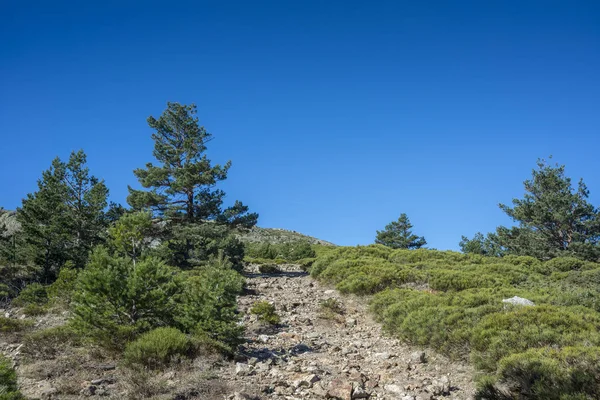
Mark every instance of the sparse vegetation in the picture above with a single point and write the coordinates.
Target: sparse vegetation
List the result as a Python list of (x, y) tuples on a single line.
[(265, 312), (331, 309), (158, 348), (8, 381), (283, 252)]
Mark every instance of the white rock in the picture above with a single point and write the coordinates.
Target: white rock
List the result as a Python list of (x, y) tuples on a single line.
[(519, 301)]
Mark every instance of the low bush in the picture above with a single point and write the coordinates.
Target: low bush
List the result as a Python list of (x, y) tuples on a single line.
[(63, 288), (268, 269), (116, 299), (50, 343), (331, 309), (207, 305), (158, 348), (265, 312), (8, 381), (547, 374), (33, 310), (10, 325), (34, 293)]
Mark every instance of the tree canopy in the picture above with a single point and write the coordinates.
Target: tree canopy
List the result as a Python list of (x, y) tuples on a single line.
[(553, 218), (182, 185), (398, 235)]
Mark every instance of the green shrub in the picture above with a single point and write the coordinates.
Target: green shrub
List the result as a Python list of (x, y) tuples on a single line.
[(331, 309), (9, 325), (548, 374), (207, 306), (117, 299), (268, 269), (63, 288), (266, 312), (33, 310), (565, 264), (524, 328), (34, 293), (8, 381), (158, 348)]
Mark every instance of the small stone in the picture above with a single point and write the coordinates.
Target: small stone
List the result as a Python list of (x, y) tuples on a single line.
[(383, 356), (360, 393), (393, 389), (340, 389), (88, 391), (107, 367), (242, 369), (418, 357)]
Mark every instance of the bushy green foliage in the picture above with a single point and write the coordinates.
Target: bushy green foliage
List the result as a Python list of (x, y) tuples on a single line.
[(453, 303), (331, 309), (158, 348), (290, 251), (65, 218), (8, 325), (398, 235), (33, 293), (554, 219), (266, 312), (548, 374), (268, 269), (117, 299), (63, 288), (193, 245), (207, 306), (8, 381)]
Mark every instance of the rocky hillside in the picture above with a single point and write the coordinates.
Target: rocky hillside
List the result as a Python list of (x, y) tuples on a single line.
[(275, 235), (324, 345)]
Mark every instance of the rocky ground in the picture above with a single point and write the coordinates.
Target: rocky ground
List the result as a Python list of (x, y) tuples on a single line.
[(316, 352)]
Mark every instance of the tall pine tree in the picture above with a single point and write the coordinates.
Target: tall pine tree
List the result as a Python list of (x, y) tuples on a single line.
[(64, 219), (181, 187)]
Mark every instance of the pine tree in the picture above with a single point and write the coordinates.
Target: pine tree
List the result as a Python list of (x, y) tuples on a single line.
[(554, 218), (398, 235), (64, 219), (181, 185)]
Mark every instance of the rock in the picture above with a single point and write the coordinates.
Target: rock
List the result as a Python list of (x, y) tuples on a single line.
[(263, 338), (48, 393), (395, 389), (242, 369), (360, 393), (339, 389), (107, 367), (383, 356), (418, 357), (88, 391), (440, 386), (241, 396), (519, 301)]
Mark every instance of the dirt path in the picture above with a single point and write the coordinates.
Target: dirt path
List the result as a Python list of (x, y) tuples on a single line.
[(345, 356)]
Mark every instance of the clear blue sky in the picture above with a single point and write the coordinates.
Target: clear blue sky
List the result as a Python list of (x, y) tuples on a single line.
[(337, 115)]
